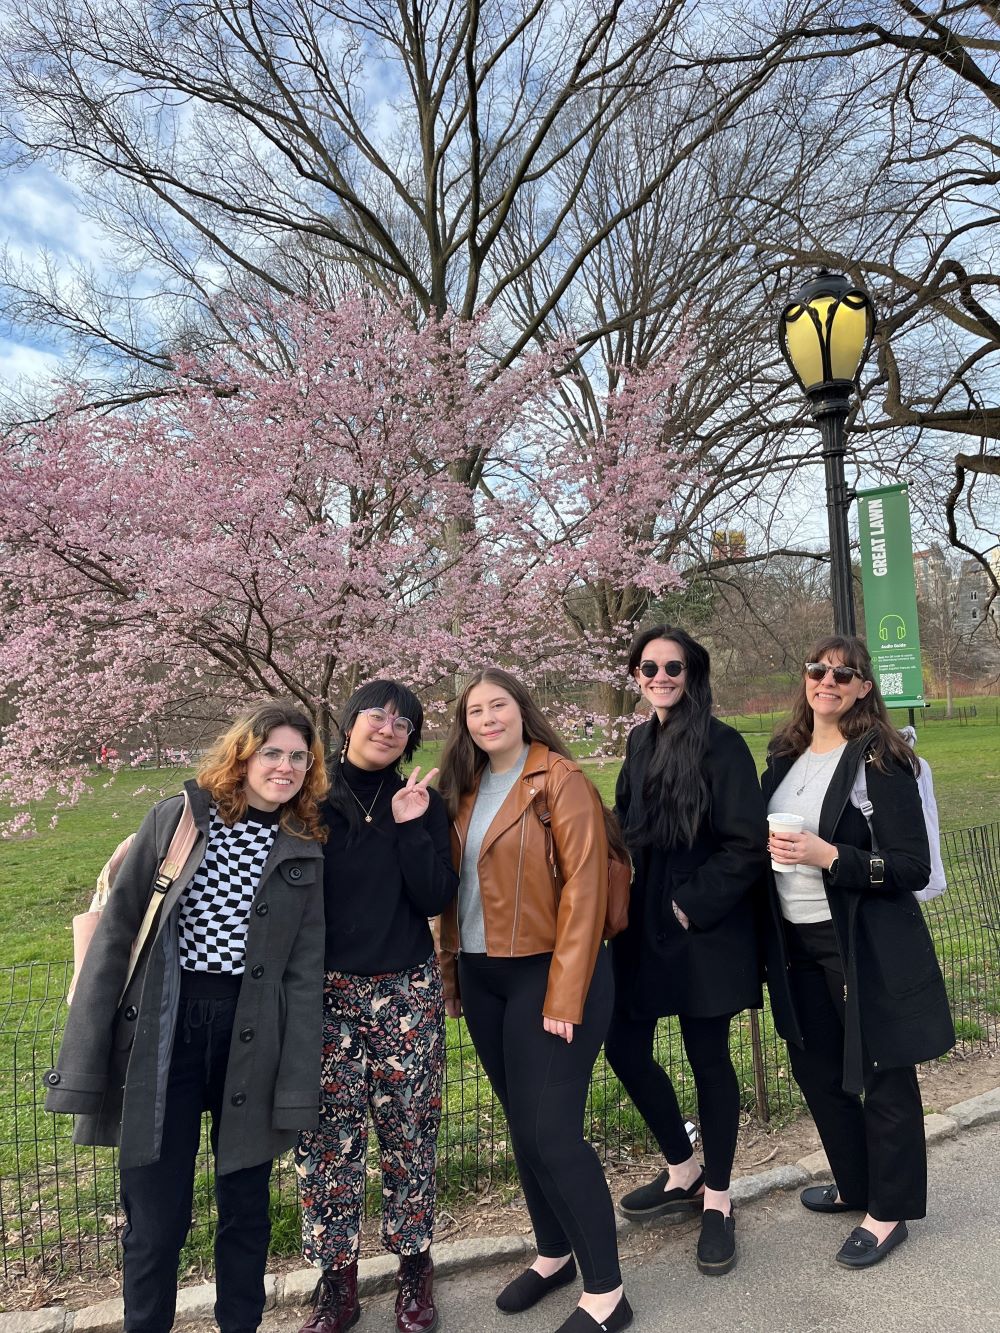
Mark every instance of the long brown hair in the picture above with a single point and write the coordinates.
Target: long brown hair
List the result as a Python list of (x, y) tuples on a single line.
[(868, 712), (462, 760), (223, 769)]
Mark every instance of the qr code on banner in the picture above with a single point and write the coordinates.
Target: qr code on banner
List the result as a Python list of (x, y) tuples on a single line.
[(891, 683)]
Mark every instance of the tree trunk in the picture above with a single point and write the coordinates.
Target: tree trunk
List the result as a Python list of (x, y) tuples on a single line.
[(614, 702)]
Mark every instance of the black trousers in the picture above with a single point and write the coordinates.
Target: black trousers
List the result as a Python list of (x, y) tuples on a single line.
[(157, 1198), (629, 1051), (542, 1082), (875, 1145)]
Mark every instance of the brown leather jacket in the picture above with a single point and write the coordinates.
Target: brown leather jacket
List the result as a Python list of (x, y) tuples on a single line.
[(521, 911)]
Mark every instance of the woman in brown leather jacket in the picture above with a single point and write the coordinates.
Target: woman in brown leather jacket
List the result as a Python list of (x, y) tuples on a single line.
[(521, 957)]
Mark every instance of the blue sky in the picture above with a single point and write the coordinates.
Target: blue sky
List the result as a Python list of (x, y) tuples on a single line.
[(39, 213)]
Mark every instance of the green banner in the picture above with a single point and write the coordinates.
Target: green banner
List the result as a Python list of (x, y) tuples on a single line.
[(891, 594)]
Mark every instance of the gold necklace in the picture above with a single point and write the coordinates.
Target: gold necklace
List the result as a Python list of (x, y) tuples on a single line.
[(367, 813)]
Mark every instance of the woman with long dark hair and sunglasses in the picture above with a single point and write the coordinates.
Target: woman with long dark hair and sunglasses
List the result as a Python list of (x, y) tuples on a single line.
[(691, 814), (522, 959), (387, 868), (222, 1013), (854, 982)]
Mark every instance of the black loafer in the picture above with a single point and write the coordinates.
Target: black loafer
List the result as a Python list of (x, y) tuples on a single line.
[(653, 1200), (861, 1249), (529, 1287), (823, 1199), (582, 1322), (717, 1243)]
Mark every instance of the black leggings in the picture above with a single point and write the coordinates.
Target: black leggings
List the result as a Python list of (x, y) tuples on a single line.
[(541, 1082), (629, 1051)]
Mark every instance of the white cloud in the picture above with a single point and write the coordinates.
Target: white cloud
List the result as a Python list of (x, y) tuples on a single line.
[(21, 361), (38, 210)]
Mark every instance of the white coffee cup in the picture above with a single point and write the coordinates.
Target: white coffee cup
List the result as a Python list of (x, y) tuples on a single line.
[(780, 822)]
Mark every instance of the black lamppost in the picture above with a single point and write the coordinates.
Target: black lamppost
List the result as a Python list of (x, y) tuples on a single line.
[(825, 332)]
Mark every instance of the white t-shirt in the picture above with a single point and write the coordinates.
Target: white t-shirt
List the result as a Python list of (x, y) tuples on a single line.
[(802, 792)]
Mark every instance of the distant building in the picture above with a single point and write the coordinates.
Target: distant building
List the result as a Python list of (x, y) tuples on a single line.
[(929, 567), (973, 600), (729, 544)]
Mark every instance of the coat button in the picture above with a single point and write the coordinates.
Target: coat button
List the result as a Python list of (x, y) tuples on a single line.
[(239, 1098), (257, 971), (52, 1078), (295, 872), (262, 909), (246, 1034), (131, 1012)]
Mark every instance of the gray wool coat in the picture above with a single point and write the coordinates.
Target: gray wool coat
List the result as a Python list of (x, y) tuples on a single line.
[(115, 1054)]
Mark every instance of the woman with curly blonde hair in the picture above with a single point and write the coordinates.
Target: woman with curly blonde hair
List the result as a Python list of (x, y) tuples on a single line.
[(223, 1013)]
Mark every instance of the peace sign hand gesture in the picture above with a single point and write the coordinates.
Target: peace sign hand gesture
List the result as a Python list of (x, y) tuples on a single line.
[(411, 801)]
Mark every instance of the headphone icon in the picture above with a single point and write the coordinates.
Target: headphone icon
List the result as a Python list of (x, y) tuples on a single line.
[(892, 626)]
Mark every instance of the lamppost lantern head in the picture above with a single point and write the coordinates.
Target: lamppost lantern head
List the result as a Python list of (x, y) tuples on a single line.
[(825, 332)]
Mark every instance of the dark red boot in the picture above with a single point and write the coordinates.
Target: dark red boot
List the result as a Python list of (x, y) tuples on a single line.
[(415, 1312), (336, 1302)]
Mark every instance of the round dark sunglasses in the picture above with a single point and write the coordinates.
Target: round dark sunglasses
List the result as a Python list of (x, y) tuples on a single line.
[(649, 669)]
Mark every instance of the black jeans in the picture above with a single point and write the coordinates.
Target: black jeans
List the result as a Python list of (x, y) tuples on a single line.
[(875, 1146), (542, 1084), (629, 1051), (157, 1198)]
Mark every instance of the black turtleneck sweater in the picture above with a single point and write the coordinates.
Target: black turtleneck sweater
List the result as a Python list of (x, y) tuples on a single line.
[(382, 884)]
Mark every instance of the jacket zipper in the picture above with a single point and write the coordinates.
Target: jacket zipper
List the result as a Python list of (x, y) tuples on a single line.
[(461, 848), (517, 885)]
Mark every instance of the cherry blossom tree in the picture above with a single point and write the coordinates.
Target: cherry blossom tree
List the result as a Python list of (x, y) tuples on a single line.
[(287, 520)]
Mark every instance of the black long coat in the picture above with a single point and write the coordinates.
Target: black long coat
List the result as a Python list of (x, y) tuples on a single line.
[(897, 1007), (713, 967), (115, 1054)]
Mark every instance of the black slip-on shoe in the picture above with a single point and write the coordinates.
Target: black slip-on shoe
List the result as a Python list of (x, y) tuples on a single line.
[(823, 1199), (653, 1200), (529, 1287), (861, 1249), (717, 1243), (582, 1322)]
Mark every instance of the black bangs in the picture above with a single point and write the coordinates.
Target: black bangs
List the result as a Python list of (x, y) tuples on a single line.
[(387, 694)]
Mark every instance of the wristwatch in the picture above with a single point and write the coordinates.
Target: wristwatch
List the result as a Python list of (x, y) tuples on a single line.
[(877, 868)]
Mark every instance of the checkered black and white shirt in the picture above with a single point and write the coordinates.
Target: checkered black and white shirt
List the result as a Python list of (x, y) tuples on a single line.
[(215, 908)]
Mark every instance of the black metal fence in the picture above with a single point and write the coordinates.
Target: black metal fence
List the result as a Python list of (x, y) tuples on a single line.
[(59, 1203)]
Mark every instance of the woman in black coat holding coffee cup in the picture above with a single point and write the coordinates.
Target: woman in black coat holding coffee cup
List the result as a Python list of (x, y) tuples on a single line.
[(854, 981), (691, 816)]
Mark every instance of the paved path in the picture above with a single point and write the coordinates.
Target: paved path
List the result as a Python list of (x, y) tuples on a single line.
[(945, 1277)]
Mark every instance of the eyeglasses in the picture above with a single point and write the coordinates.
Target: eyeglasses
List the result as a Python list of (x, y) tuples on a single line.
[(378, 717), (649, 669), (843, 675), (300, 760)]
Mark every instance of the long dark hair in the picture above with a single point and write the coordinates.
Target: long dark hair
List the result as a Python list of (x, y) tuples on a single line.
[(868, 712), (375, 694), (675, 795), (462, 760)]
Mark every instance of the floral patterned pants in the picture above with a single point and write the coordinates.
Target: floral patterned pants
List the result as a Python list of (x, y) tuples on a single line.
[(383, 1053)]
